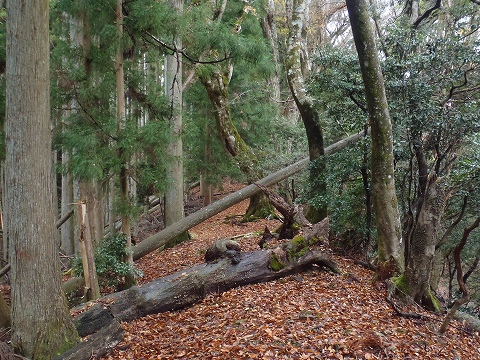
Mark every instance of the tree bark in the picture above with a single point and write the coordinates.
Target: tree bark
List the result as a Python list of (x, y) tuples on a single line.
[(41, 323), (189, 286), (216, 84), (297, 69), (125, 158), (92, 288), (5, 319), (174, 209), (185, 288), (422, 249), (270, 33), (458, 266), (384, 199), (97, 345), (159, 239)]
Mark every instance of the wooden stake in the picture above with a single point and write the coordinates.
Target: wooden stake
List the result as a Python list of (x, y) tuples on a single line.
[(92, 289)]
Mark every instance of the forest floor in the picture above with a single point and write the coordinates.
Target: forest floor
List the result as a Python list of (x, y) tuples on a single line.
[(312, 315)]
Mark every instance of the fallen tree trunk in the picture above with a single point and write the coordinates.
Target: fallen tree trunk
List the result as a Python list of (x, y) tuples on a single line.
[(187, 287), (161, 238), (226, 267)]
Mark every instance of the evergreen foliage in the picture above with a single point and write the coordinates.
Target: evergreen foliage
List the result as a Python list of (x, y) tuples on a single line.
[(109, 262), (430, 81)]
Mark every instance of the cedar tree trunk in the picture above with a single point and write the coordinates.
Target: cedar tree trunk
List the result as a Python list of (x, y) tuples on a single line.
[(174, 210), (41, 322)]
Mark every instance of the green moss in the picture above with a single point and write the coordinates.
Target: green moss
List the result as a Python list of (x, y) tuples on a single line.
[(296, 226), (296, 248), (275, 263), (434, 300), (401, 284), (51, 345)]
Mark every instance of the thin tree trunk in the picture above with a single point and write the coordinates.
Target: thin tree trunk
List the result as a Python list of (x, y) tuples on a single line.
[(174, 207), (92, 289), (121, 118), (41, 322), (384, 200), (458, 266), (66, 231)]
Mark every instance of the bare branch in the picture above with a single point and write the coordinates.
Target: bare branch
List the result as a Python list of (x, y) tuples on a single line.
[(174, 49)]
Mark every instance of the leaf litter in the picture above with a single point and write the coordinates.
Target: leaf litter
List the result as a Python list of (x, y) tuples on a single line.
[(312, 315)]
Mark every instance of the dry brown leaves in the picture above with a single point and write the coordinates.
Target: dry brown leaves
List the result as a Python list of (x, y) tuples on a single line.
[(314, 315)]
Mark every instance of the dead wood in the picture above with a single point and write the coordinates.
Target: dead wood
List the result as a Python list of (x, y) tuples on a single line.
[(365, 264), (293, 217), (159, 239), (97, 345), (225, 248), (187, 287), (266, 237)]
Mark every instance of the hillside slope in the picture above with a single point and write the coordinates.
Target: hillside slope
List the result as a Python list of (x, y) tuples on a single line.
[(314, 315)]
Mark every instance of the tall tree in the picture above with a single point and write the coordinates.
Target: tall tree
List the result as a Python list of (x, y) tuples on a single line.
[(121, 118), (174, 209), (41, 322), (270, 33), (297, 69), (384, 199)]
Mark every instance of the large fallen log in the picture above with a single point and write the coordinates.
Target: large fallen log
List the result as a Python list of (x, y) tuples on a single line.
[(161, 238), (187, 287)]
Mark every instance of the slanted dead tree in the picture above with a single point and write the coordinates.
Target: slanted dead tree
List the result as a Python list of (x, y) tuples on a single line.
[(159, 239), (223, 271)]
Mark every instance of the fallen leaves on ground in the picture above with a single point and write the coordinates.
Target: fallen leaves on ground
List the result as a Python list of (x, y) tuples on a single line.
[(313, 315)]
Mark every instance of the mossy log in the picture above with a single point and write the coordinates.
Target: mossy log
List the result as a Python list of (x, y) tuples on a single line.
[(187, 287)]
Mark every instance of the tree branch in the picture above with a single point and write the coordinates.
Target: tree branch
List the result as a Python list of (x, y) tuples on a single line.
[(427, 13), (174, 49), (452, 226)]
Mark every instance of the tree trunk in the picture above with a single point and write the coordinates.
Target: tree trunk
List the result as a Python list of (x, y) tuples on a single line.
[(66, 231), (270, 33), (222, 272), (5, 319), (92, 289), (422, 249), (297, 70), (121, 118), (216, 84), (187, 287), (97, 345), (41, 323), (384, 199), (461, 283), (159, 239), (174, 209)]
